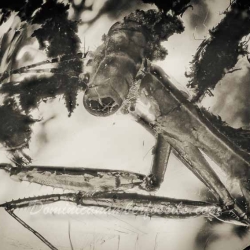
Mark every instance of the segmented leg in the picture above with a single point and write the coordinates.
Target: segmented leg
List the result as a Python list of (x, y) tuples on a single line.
[(119, 202), (160, 161), (201, 168), (38, 235), (131, 203), (77, 179), (191, 156), (27, 68)]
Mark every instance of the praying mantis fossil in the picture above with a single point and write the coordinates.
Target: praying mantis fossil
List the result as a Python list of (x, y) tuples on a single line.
[(120, 79)]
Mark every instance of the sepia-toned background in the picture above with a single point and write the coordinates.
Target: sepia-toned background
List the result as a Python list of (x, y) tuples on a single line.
[(118, 142)]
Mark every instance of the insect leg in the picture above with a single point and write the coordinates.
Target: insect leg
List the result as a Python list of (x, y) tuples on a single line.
[(77, 179), (160, 161), (120, 202), (31, 202), (201, 168), (24, 69), (38, 235)]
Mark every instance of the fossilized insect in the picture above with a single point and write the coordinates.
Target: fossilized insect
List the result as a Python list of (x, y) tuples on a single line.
[(177, 123), (121, 78)]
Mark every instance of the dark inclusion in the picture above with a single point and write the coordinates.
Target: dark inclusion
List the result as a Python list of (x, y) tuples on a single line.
[(61, 35)]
